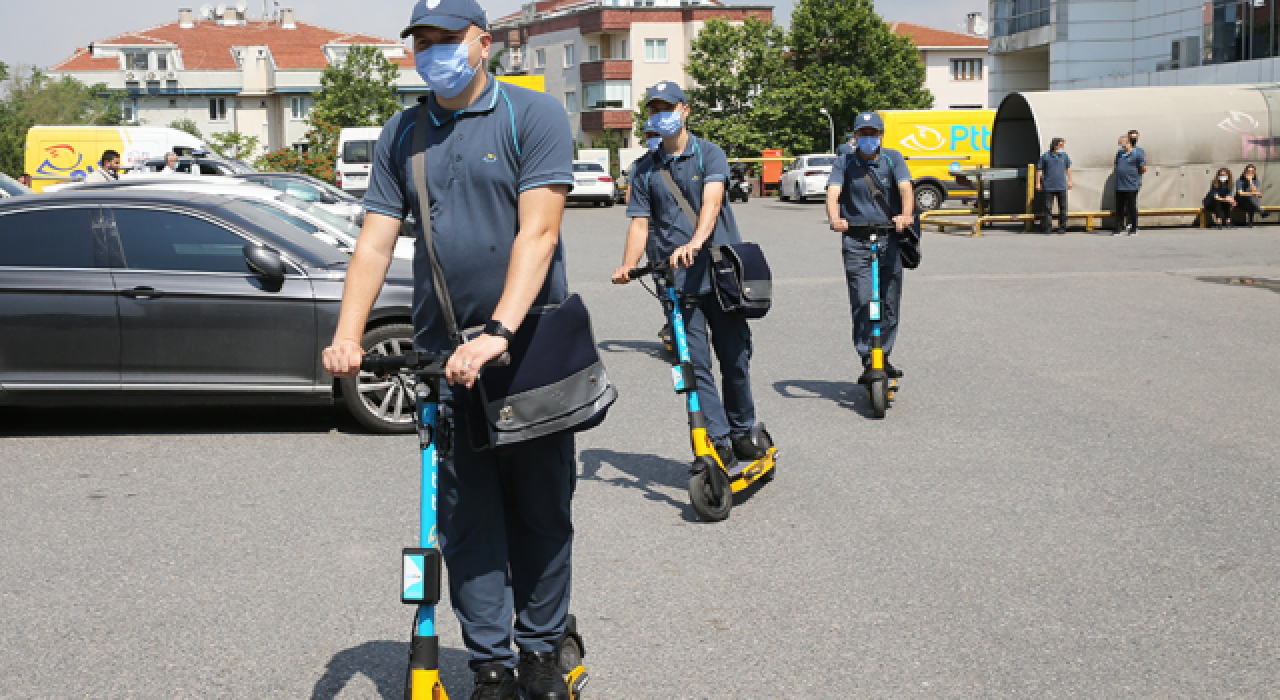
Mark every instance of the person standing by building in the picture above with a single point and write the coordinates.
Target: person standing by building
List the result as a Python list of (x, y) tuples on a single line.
[(1131, 164), (851, 206), (499, 165), (109, 170), (1053, 179), (1248, 196), (700, 170)]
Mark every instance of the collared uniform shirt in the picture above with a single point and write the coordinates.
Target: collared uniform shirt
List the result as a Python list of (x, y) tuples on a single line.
[(1054, 166), (479, 160), (700, 163), (1128, 177), (857, 202)]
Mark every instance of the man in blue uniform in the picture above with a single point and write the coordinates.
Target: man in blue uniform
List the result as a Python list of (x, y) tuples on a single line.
[(1053, 179), (498, 168), (700, 170), (846, 147), (851, 205), (1131, 164)]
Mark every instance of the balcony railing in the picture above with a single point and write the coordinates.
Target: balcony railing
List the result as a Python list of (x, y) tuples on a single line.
[(604, 69)]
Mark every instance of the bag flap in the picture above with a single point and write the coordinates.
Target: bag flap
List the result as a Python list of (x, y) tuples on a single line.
[(547, 348)]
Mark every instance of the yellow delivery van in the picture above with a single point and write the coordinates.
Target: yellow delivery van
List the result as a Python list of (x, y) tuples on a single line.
[(935, 142), (65, 153)]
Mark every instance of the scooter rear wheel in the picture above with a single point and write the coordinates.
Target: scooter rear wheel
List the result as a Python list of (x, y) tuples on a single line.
[(700, 494), (879, 391)]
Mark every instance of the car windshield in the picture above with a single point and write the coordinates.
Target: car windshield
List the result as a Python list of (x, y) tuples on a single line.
[(588, 168), (12, 186), (318, 212), (821, 161)]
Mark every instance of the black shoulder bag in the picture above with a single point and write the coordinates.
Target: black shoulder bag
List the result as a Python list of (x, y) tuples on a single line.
[(555, 383), (909, 237), (743, 283)]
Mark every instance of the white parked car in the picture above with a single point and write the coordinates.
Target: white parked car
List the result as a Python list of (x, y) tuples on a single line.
[(592, 184), (356, 145), (806, 177), (309, 216)]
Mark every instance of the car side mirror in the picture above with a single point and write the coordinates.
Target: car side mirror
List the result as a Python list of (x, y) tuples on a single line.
[(264, 262), (326, 198)]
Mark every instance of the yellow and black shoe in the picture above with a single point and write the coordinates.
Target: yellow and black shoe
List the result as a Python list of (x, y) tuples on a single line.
[(495, 682), (540, 677)]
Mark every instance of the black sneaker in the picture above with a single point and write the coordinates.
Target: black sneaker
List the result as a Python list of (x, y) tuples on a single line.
[(540, 677), (727, 456), (746, 448), (893, 372), (495, 682)]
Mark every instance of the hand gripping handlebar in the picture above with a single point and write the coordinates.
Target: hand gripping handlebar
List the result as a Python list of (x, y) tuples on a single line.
[(427, 364)]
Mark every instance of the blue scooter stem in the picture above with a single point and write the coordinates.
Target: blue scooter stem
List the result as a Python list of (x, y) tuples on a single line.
[(429, 510)]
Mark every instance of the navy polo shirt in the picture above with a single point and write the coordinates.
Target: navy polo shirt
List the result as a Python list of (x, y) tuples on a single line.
[(479, 160), (1128, 177), (1054, 166), (700, 163), (857, 201)]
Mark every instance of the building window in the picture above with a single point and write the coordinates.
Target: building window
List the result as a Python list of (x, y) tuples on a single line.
[(302, 147), (611, 94), (171, 85), (966, 69), (571, 101), (541, 57), (218, 109), (162, 61), (622, 48), (128, 112), (593, 53), (655, 50), (299, 108), (173, 104), (1235, 30), (136, 60), (568, 55), (1013, 16)]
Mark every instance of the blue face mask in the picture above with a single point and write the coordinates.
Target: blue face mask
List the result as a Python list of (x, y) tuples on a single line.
[(667, 123), (653, 143), (868, 144), (446, 68)]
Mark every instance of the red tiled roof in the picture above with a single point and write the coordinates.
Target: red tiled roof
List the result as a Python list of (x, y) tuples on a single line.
[(207, 46), (926, 37)]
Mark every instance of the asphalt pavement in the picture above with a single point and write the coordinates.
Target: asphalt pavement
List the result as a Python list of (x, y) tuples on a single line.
[(1075, 495)]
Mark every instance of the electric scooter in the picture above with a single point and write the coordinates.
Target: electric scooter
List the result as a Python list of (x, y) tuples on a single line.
[(423, 565), (711, 485), (880, 386)]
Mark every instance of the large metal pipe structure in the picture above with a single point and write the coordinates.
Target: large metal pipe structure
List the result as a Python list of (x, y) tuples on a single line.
[(1187, 133)]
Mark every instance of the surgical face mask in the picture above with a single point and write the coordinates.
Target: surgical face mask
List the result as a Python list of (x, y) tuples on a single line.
[(1222, 178), (446, 67), (653, 143), (667, 124), (868, 144)]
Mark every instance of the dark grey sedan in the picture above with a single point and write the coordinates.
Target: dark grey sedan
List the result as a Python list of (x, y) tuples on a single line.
[(129, 296)]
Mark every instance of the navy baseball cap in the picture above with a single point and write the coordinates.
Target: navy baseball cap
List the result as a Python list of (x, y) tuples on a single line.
[(868, 119), (446, 14), (666, 91)]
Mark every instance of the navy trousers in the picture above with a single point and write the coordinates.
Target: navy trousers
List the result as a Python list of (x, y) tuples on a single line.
[(507, 538), (730, 337), (857, 272)]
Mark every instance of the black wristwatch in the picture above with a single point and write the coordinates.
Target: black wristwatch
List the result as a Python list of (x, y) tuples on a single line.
[(494, 327)]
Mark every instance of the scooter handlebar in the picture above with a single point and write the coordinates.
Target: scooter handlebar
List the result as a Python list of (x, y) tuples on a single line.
[(656, 267), (418, 362)]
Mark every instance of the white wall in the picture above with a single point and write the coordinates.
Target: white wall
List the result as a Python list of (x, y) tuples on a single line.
[(948, 92), (559, 79)]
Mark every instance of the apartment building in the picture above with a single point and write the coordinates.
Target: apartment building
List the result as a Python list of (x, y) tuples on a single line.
[(954, 62), (228, 72), (598, 56), (1075, 44)]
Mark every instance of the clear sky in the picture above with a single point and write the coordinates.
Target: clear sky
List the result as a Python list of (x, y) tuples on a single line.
[(44, 32)]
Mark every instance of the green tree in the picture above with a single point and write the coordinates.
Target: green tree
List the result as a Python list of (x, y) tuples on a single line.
[(844, 57), (317, 161), (360, 90), (730, 66), (188, 125), (31, 98), (232, 144)]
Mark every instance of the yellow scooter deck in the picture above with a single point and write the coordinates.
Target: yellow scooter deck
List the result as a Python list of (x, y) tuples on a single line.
[(743, 476)]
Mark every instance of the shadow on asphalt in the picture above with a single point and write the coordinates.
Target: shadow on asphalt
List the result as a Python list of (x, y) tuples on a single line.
[(644, 473), (847, 395), (25, 421), (385, 663), (653, 349)]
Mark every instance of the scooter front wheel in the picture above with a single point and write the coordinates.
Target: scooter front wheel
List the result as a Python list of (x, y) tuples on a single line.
[(703, 488), (879, 391)]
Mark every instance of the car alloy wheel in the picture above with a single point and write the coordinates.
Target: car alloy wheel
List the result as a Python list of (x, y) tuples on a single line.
[(383, 404)]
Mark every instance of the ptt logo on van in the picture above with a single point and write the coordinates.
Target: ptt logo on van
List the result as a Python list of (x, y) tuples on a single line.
[(963, 137), (925, 139)]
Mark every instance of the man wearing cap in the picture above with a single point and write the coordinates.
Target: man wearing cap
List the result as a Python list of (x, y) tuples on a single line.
[(499, 164), (700, 170), (846, 147), (851, 205)]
